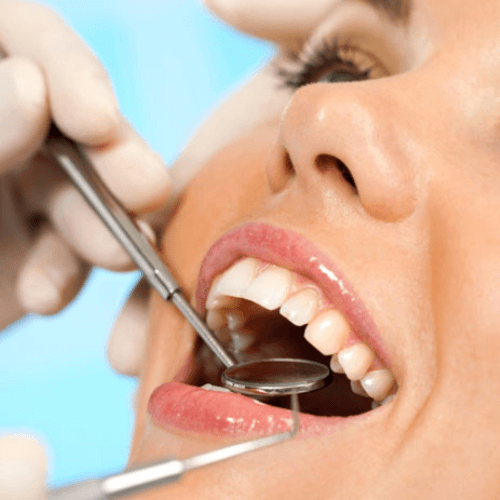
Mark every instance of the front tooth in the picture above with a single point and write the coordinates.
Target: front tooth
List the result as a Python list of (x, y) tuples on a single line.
[(221, 302), (356, 360), (214, 388), (300, 308), (378, 383), (328, 332), (237, 278), (270, 288), (217, 301), (388, 399)]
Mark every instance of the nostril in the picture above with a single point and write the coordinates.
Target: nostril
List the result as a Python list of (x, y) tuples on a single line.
[(328, 162), (289, 168)]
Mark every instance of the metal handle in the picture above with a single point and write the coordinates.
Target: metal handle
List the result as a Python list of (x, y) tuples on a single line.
[(89, 490), (166, 471), (149, 476), (114, 216)]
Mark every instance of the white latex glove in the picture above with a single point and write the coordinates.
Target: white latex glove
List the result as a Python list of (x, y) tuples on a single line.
[(49, 237), (23, 469)]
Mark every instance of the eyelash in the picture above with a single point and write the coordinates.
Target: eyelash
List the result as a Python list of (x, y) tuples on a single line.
[(326, 59)]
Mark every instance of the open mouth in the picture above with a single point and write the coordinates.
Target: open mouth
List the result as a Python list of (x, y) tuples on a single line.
[(277, 304), (260, 310), (268, 292)]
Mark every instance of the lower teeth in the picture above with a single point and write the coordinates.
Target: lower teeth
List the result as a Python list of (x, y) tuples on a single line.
[(267, 336), (215, 388), (377, 404)]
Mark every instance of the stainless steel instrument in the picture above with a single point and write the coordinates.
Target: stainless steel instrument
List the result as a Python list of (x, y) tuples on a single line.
[(283, 377), (166, 471)]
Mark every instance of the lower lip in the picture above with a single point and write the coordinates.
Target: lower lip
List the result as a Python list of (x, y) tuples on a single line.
[(182, 407)]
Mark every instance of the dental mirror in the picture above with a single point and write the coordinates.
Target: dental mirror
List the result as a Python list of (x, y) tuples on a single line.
[(275, 377), (269, 377)]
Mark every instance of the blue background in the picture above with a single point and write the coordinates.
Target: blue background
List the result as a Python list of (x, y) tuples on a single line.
[(170, 63)]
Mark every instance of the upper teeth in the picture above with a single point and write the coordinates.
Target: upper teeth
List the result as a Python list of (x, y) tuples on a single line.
[(302, 303)]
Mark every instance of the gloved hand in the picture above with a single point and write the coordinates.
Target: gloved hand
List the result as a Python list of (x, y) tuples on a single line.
[(49, 237)]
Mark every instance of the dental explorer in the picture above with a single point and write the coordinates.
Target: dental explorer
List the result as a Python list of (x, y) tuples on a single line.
[(166, 471), (269, 377)]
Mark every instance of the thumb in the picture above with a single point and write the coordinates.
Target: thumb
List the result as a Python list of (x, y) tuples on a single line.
[(23, 468)]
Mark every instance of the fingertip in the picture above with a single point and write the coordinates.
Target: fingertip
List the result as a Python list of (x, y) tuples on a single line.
[(51, 276), (23, 468), (82, 229), (93, 119), (135, 173), (126, 347), (124, 352), (23, 444), (36, 293)]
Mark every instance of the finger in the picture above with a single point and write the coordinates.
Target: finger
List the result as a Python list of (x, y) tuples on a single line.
[(280, 20), (82, 100), (135, 174), (51, 276), (82, 229), (127, 342), (72, 217), (15, 243), (24, 111), (23, 467), (46, 190)]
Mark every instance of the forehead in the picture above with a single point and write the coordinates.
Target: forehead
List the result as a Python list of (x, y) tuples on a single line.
[(456, 18), (440, 17), (462, 36)]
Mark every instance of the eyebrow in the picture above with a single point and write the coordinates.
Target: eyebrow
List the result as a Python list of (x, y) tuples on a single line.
[(396, 10)]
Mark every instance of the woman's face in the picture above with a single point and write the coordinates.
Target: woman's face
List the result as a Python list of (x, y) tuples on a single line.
[(368, 209)]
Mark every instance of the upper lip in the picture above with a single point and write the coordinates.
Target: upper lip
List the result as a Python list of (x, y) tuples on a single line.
[(287, 249)]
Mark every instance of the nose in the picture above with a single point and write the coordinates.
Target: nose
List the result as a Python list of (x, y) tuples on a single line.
[(351, 141)]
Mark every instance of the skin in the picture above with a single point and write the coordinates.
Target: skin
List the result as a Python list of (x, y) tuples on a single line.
[(422, 147)]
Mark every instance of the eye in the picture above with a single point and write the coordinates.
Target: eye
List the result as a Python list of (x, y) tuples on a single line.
[(329, 62)]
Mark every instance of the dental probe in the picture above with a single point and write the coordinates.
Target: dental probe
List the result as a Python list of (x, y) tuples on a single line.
[(166, 471), (296, 376), (81, 172)]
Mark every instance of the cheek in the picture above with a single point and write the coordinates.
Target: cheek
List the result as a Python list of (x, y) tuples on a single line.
[(228, 189), (221, 195)]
